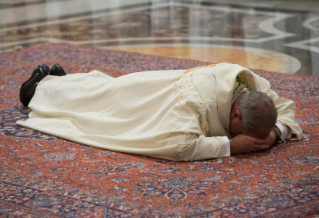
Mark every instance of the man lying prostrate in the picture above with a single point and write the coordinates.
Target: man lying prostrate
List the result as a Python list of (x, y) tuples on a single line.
[(183, 115)]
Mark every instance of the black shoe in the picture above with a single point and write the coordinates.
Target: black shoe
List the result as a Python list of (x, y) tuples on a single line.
[(57, 70), (45, 68), (28, 87)]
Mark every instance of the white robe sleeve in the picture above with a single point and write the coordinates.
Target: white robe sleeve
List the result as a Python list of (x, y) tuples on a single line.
[(285, 131), (202, 148), (286, 109)]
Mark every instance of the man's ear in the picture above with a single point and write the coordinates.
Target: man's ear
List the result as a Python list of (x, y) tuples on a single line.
[(235, 114)]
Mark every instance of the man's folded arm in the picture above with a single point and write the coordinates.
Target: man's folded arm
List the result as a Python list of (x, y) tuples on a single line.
[(204, 148)]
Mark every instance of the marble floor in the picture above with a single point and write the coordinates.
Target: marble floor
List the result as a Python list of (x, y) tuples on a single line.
[(280, 36)]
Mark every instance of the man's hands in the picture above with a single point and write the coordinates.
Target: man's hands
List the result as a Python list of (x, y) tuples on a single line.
[(245, 144)]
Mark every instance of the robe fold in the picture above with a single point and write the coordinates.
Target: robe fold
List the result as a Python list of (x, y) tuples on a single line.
[(174, 115)]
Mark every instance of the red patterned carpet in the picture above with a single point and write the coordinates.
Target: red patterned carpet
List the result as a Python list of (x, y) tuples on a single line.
[(44, 176)]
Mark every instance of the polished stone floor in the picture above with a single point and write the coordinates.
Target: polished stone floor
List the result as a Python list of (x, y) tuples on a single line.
[(280, 36)]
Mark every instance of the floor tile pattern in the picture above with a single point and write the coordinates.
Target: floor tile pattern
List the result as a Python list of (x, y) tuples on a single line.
[(289, 36)]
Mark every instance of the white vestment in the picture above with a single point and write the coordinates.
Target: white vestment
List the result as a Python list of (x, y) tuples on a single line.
[(174, 115)]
